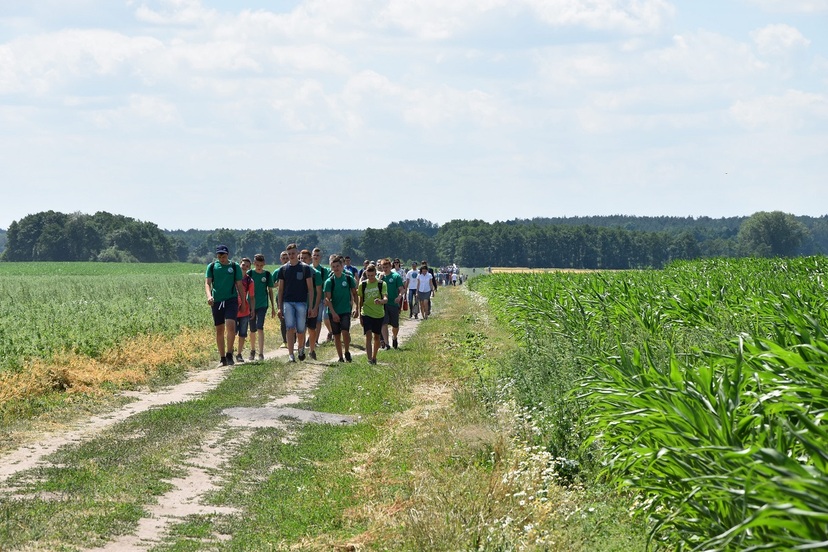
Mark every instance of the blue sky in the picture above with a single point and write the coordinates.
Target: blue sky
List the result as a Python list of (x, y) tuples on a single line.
[(356, 113)]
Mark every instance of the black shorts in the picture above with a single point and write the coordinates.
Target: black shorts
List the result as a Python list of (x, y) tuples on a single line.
[(311, 323), (371, 325), (392, 315), (225, 310), (344, 324)]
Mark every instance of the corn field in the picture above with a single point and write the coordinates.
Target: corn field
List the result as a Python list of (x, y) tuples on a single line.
[(701, 388)]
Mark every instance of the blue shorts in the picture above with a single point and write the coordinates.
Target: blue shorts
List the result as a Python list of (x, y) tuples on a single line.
[(242, 323), (257, 319), (296, 316), (226, 310)]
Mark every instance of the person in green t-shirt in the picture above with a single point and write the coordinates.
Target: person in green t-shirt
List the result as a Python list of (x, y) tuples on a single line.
[(322, 315), (223, 286), (372, 298), (395, 287), (315, 306), (341, 298), (263, 282)]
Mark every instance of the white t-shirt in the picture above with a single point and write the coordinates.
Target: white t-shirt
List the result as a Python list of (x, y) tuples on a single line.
[(411, 276), (424, 282)]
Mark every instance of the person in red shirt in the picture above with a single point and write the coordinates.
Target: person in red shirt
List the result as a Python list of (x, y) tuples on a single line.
[(243, 316)]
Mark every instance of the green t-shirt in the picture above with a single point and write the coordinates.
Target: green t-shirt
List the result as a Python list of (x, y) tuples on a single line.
[(262, 281), (316, 278), (224, 279), (394, 283), (372, 291), (323, 275), (340, 290)]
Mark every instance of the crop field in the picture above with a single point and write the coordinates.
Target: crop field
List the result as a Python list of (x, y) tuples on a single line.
[(88, 313), (702, 389), (527, 270)]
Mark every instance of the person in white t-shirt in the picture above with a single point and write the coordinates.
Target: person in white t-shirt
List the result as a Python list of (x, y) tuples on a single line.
[(425, 287), (411, 278)]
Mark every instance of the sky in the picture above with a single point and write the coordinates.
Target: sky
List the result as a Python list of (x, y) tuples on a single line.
[(306, 114)]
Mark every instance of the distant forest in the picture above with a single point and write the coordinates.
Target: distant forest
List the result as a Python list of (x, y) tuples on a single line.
[(572, 242)]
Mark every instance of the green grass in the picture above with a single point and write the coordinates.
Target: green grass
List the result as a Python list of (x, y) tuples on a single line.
[(442, 458), (699, 388)]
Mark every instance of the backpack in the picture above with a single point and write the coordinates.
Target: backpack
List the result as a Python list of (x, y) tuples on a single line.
[(365, 284), (332, 279)]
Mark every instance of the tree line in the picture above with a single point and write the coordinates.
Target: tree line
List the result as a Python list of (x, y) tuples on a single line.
[(615, 242)]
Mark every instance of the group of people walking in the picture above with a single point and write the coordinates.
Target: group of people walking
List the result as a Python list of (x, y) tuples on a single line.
[(310, 296)]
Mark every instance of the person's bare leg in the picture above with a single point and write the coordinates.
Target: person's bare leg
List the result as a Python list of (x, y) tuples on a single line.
[(230, 332), (368, 345), (220, 340), (376, 346)]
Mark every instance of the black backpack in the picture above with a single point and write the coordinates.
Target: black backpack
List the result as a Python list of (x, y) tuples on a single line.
[(332, 279), (365, 284)]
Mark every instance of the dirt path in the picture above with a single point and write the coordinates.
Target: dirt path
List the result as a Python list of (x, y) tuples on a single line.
[(205, 467)]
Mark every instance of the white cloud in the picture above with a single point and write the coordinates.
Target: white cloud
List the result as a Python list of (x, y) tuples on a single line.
[(427, 107), (40, 63), (175, 12), (786, 113), (778, 39), (631, 16), (792, 6), (706, 56)]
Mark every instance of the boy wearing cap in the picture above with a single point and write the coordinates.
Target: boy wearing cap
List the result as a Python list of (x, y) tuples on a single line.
[(223, 286)]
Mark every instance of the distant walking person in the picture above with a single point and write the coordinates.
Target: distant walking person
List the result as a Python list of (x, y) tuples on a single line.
[(246, 309), (425, 287), (395, 287), (313, 324), (341, 298), (295, 291), (411, 277), (372, 299), (283, 260), (223, 286), (263, 282)]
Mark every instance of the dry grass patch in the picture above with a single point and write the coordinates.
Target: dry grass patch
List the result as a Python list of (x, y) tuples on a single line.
[(134, 362)]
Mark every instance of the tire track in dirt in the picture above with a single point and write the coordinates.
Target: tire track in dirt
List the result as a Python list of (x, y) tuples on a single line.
[(204, 469)]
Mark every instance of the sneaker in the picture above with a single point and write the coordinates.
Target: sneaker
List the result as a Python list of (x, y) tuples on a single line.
[(347, 356), (372, 361), (223, 361), (239, 357), (396, 344), (261, 356), (329, 338), (313, 355), (307, 342), (283, 346), (341, 359), (382, 344), (291, 358), (229, 357), (301, 354), (252, 355), (416, 316)]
